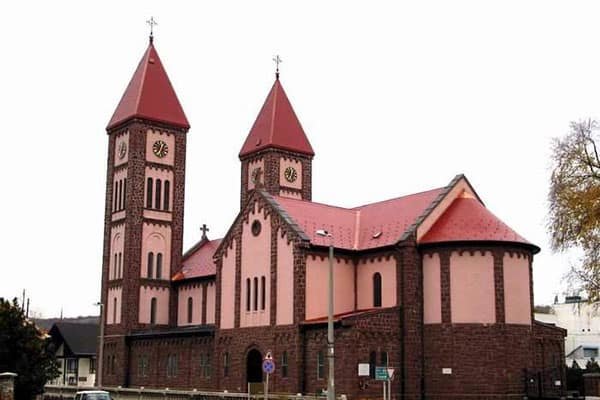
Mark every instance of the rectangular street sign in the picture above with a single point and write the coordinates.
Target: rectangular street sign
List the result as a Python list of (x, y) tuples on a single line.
[(363, 369), (381, 373)]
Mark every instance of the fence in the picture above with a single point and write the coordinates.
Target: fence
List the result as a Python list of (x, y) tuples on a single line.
[(53, 392)]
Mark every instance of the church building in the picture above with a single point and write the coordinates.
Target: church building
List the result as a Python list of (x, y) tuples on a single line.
[(431, 284)]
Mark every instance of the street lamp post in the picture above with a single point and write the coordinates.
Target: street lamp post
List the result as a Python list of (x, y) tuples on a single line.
[(101, 347), (330, 338)]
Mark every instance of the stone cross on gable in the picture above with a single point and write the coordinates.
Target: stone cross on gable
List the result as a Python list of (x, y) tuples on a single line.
[(204, 229)]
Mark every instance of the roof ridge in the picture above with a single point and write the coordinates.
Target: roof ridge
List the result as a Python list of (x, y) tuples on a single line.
[(397, 198), (273, 112), (357, 230), (145, 60), (313, 202)]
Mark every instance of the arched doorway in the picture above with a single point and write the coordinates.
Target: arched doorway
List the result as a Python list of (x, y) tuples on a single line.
[(254, 366)]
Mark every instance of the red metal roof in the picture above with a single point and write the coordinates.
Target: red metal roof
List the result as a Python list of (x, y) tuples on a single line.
[(360, 228), (339, 317), (150, 95), (198, 261), (277, 126), (468, 220)]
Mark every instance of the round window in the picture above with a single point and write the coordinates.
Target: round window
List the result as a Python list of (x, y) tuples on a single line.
[(256, 227)]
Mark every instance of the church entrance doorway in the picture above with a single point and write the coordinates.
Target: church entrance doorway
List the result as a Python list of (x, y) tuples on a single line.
[(254, 366)]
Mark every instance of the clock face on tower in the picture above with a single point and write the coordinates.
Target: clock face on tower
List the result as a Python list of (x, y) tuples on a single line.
[(122, 150), (290, 174), (160, 149)]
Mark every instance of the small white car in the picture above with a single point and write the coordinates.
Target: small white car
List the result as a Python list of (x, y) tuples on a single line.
[(92, 395)]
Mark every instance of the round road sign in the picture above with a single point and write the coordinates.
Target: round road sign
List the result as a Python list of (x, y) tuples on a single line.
[(268, 366)]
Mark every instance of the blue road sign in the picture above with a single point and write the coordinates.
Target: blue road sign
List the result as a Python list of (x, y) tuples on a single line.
[(381, 373), (268, 366)]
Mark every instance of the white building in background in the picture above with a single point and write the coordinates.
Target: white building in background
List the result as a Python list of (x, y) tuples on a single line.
[(582, 322), (75, 351)]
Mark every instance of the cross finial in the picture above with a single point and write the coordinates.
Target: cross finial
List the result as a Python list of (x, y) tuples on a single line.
[(204, 229), (152, 24), (278, 61)]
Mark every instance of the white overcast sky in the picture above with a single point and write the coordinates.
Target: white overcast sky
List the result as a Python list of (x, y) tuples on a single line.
[(395, 97)]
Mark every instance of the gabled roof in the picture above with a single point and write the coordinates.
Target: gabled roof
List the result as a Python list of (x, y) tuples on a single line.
[(277, 126), (150, 95), (466, 219), (198, 261), (80, 339), (360, 228)]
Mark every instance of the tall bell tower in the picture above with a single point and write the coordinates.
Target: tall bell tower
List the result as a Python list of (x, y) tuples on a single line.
[(143, 226), (277, 155)]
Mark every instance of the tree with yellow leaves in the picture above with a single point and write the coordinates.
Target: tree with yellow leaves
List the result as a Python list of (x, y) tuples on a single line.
[(574, 216)]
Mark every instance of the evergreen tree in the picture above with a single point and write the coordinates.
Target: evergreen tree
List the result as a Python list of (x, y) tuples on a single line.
[(24, 349)]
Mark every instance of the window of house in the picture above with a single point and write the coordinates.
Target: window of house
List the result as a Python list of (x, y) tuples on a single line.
[(589, 352), (320, 365), (115, 196), (159, 259), (120, 269), (205, 365), (262, 293), (255, 294), (157, 194), (207, 369), (143, 365), (167, 196), (172, 365), (115, 310), (150, 265), (384, 358), (248, 294), (121, 194), (71, 366), (376, 289), (190, 305), (284, 364), (372, 363), (92, 365), (226, 364), (114, 271), (149, 193), (153, 311)]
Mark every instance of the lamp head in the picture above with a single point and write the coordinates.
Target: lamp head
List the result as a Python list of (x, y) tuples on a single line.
[(323, 233)]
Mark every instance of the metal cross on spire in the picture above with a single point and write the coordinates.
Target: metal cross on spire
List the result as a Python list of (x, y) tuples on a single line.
[(204, 229), (278, 61), (152, 24)]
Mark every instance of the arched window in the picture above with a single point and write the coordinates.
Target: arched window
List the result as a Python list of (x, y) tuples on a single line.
[(115, 310), (149, 193), (190, 307), (262, 293), (115, 196), (226, 364), (113, 273), (150, 265), (153, 311), (376, 289), (384, 358), (372, 363), (167, 196), (124, 191), (157, 194), (159, 266), (248, 294), (255, 294), (120, 269), (121, 194), (284, 364)]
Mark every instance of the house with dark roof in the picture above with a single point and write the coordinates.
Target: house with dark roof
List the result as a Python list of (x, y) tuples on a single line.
[(432, 284), (75, 349)]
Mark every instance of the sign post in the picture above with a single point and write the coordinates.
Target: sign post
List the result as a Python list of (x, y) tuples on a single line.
[(381, 374), (268, 367)]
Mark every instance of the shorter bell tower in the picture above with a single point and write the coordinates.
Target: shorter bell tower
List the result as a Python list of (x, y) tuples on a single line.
[(277, 156)]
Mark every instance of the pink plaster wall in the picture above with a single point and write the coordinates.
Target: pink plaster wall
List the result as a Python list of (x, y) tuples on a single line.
[(228, 288), (285, 281), (182, 304), (117, 246), (162, 305), (317, 280), (211, 294), (157, 239), (432, 294), (121, 138), (297, 165), (256, 262), (251, 167), (113, 293), (517, 301), (163, 175), (169, 139), (472, 292), (460, 188), (364, 283)]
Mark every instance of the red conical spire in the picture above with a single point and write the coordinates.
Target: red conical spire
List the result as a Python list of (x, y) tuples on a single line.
[(150, 95), (277, 126)]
